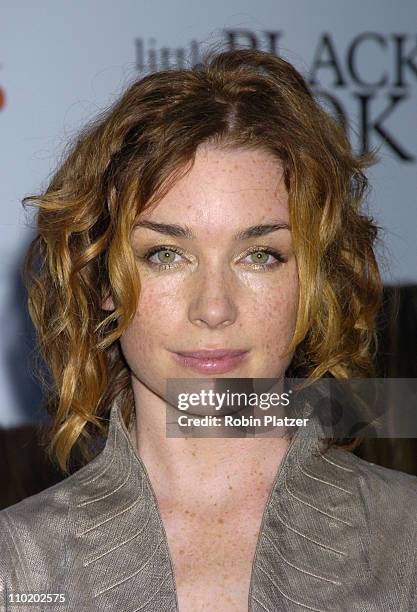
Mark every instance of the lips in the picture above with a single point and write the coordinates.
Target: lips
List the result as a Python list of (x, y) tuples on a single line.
[(211, 353), (215, 361)]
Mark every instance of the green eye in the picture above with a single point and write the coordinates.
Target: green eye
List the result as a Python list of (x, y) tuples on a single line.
[(166, 256), (163, 258), (259, 257)]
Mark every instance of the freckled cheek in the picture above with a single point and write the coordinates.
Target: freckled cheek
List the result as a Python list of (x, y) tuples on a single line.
[(156, 314), (274, 313), (273, 317)]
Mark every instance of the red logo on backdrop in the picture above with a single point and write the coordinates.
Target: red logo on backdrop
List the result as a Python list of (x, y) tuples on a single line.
[(2, 97)]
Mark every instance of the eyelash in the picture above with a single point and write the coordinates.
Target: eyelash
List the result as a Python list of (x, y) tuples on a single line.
[(262, 267)]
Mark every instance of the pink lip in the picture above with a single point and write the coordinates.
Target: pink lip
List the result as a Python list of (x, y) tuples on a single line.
[(214, 361)]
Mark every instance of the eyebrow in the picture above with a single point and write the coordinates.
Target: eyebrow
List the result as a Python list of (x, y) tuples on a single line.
[(179, 231)]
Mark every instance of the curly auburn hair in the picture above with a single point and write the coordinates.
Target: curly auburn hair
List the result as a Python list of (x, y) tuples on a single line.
[(129, 158)]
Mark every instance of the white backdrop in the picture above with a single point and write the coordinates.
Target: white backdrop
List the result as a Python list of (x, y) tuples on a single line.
[(62, 62)]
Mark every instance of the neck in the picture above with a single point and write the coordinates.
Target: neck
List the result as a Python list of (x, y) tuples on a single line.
[(189, 472)]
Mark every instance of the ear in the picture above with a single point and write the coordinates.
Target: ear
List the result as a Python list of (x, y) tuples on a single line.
[(108, 304)]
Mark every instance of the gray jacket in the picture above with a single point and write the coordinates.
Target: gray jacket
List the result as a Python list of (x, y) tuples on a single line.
[(337, 534)]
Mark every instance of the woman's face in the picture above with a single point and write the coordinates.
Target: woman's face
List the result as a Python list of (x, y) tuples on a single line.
[(214, 273)]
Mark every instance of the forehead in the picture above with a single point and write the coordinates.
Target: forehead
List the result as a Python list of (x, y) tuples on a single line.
[(225, 188)]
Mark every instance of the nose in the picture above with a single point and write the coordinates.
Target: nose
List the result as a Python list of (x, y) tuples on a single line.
[(213, 299)]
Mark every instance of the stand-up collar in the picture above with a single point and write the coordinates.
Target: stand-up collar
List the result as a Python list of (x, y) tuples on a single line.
[(306, 544)]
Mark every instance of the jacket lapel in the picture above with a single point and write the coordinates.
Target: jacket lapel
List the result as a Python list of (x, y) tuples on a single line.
[(123, 560), (307, 541)]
